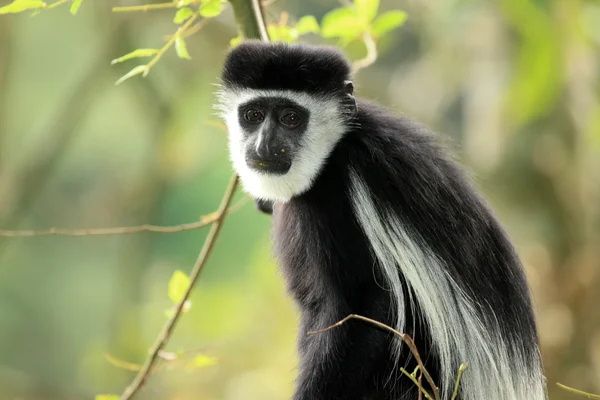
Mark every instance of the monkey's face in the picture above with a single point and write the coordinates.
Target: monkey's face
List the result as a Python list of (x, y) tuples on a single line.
[(272, 130), (279, 140)]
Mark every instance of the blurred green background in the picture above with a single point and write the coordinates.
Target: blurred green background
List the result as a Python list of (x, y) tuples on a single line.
[(513, 84)]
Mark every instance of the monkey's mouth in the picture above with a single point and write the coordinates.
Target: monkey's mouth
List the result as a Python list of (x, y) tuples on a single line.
[(270, 166)]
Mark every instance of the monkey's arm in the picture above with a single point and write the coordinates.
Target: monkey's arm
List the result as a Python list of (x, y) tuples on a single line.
[(265, 206)]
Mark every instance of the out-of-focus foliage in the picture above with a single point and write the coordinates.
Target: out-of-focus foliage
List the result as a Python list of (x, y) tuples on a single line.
[(18, 6), (513, 85)]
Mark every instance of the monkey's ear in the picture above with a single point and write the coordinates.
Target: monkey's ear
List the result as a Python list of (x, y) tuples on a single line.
[(348, 87), (351, 101)]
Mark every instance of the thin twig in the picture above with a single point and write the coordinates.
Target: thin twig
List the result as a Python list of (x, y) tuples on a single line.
[(371, 56), (145, 7), (267, 3), (461, 369), (580, 392), (165, 334), (417, 383), (170, 43), (205, 220), (55, 4), (192, 30), (420, 384), (404, 337), (196, 28)]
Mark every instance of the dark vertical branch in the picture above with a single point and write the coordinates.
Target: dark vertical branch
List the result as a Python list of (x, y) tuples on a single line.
[(249, 18)]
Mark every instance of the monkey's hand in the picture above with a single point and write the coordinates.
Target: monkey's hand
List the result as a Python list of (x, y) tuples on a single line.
[(265, 206)]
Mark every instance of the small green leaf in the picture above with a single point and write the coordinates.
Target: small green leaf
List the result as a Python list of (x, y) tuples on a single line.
[(367, 8), (235, 41), (182, 15), (181, 48), (107, 397), (343, 23), (136, 71), (307, 24), (388, 21), (18, 6), (135, 54), (210, 8), (75, 6), (282, 33), (182, 3), (201, 361), (177, 286)]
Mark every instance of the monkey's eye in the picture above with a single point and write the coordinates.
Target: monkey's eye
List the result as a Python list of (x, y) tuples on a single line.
[(290, 119), (254, 116)]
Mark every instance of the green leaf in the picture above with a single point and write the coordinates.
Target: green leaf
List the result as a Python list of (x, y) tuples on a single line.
[(235, 41), (367, 8), (177, 286), (107, 397), (182, 15), (388, 21), (136, 71), (75, 6), (135, 54), (307, 24), (181, 48), (342, 23), (18, 6), (201, 361), (211, 8), (282, 33), (182, 3)]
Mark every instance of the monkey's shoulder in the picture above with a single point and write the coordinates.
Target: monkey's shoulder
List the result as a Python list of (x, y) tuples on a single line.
[(391, 144)]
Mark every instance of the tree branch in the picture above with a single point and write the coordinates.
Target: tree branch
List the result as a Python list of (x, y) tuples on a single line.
[(205, 220), (580, 392), (249, 18), (371, 56), (165, 334), (404, 337)]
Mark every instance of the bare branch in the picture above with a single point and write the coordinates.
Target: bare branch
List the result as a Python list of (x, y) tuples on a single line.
[(165, 334), (417, 383), (205, 220), (580, 392), (371, 56), (145, 7), (404, 337)]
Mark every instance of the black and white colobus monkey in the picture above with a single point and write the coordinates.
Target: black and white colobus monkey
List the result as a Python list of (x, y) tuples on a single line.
[(372, 217)]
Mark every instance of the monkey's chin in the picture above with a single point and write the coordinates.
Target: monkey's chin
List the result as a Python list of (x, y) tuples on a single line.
[(273, 186)]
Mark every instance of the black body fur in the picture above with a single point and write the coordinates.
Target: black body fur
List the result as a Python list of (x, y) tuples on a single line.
[(328, 262)]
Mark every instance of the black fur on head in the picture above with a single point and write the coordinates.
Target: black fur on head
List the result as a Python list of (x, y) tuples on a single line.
[(281, 66)]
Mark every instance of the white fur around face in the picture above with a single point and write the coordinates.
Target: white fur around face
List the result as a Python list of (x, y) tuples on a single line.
[(325, 128)]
